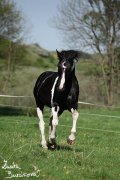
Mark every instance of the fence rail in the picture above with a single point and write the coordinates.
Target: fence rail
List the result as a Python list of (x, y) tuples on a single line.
[(80, 102)]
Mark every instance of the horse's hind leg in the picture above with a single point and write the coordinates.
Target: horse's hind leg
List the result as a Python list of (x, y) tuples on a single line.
[(42, 127)]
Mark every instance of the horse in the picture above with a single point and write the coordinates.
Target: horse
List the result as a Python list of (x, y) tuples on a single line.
[(59, 91)]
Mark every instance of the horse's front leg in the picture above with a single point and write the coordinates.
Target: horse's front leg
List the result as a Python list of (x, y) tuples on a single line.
[(75, 115), (42, 127), (53, 125)]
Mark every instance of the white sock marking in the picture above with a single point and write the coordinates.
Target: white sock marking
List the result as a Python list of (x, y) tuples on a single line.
[(75, 116), (55, 116), (42, 127), (54, 121)]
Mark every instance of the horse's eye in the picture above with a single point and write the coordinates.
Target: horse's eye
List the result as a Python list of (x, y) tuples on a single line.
[(65, 64)]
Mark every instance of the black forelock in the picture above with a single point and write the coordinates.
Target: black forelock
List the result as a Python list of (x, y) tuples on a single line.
[(70, 54)]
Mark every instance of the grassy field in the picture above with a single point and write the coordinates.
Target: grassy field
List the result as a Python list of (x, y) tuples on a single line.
[(96, 154)]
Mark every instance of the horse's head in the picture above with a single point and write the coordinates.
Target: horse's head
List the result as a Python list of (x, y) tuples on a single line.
[(67, 60)]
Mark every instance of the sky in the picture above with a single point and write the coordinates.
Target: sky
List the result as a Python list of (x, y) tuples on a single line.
[(38, 17)]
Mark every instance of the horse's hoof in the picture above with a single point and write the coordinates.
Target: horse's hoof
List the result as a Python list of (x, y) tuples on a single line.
[(52, 141), (69, 141), (44, 147), (52, 146)]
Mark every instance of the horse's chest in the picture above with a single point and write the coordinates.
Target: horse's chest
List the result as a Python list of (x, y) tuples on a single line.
[(60, 98)]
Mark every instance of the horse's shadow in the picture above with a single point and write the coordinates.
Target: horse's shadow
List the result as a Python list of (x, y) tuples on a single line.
[(65, 148), (68, 148)]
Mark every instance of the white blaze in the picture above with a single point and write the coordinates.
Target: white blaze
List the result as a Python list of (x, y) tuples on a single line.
[(62, 82)]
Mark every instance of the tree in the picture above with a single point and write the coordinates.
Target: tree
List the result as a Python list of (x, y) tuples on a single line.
[(94, 24), (11, 24), (11, 28), (4, 44)]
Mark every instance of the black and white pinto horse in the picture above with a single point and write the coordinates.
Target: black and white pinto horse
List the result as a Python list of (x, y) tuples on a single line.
[(59, 91)]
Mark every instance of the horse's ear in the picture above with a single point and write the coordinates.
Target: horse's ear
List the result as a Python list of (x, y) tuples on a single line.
[(59, 55)]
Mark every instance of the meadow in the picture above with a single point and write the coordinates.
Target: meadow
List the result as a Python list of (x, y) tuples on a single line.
[(95, 155)]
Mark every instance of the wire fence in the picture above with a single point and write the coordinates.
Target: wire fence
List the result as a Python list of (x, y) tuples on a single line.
[(79, 102), (62, 125)]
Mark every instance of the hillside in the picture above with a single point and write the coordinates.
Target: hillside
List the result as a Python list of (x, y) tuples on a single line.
[(38, 60)]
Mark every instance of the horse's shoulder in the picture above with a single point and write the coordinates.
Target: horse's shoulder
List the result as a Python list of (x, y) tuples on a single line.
[(46, 75)]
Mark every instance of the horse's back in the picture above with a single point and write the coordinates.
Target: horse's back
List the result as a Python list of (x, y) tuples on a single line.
[(43, 86)]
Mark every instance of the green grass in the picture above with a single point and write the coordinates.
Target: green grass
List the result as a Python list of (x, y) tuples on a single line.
[(96, 154)]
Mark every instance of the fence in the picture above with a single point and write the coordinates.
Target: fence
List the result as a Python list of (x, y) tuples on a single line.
[(80, 102)]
